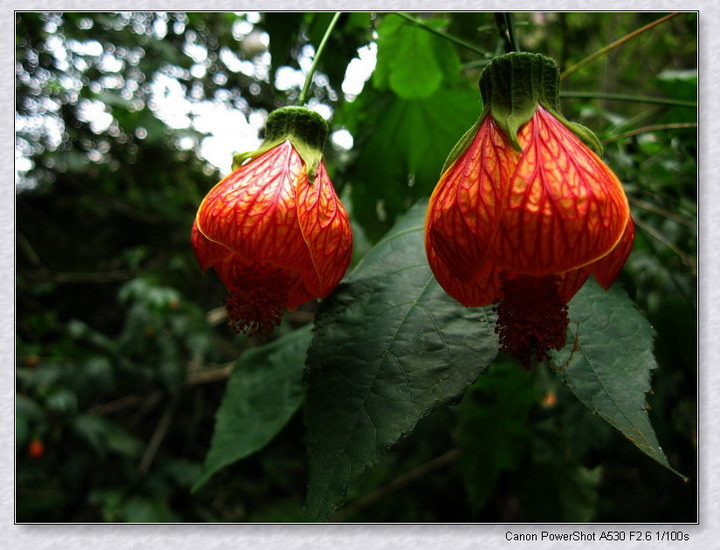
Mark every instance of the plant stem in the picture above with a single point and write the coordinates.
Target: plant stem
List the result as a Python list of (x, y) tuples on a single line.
[(308, 79), (615, 44), (628, 97), (506, 29), (646, 129), (446, 36)]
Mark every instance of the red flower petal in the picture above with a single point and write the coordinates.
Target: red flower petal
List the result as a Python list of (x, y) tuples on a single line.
[(207, 252), (606, 269), (465, 207), (326, 229), (564, 208), (571, 281), (253, 212), (482, 290)]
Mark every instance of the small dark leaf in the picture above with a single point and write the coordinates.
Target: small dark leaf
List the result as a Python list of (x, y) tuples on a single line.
[(389, 346), (263, 393)]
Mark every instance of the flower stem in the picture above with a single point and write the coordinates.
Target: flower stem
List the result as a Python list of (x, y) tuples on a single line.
[(506, 28), (628, 97), (615, 44), (446, 36), (308, 79)]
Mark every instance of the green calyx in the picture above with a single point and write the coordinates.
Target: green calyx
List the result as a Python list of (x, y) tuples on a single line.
[(306, 130), (513, 85)]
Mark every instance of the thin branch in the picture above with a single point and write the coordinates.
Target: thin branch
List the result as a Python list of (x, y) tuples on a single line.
[(613, 45), (121, 207), (687, 260), (446, 36), (123, 403), (661, 211), (646, 129), (28, 250), (628, 97), (205, 376), (158, 435), (397, 483), (208, 376), (216, 316), (61, 277)]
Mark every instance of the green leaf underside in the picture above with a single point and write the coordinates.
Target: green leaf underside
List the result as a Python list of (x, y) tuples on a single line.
[(389, 346), (608, 360), (402, 147), (263, 393), (412, 62)]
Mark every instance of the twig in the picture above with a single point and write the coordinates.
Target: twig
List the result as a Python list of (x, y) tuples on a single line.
[(207, 376), (446, 36), (122, 403), (216, 316), (687, 260), (627, 97), (397, 483), (614, 45), (62, 277), (647, 129), (158, 435), (661, 211), (203, 377), (28, 250)]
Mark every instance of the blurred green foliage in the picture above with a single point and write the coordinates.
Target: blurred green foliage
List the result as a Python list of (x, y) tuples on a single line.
[(122, 352)]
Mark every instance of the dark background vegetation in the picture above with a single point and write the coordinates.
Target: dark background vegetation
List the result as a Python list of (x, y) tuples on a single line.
[(122, 350)]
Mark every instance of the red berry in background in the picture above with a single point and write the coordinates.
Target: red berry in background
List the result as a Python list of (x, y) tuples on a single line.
[(36, 448), (274, 230), (525, 211)]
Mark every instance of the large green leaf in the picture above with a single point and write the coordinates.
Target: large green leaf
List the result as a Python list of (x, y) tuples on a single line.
[(389, 346), (608, 360), (411, 61), (263, 393), (402, 147)]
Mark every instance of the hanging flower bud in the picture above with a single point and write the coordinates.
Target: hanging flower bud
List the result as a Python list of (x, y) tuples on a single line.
[(274, 230), (525, 210)]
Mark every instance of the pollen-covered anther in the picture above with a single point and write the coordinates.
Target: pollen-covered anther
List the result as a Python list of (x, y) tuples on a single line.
[(256, 302), (532, 318)]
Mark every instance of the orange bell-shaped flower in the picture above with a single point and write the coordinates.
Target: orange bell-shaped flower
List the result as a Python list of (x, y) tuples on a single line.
[(525, 211), (274, 230)]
